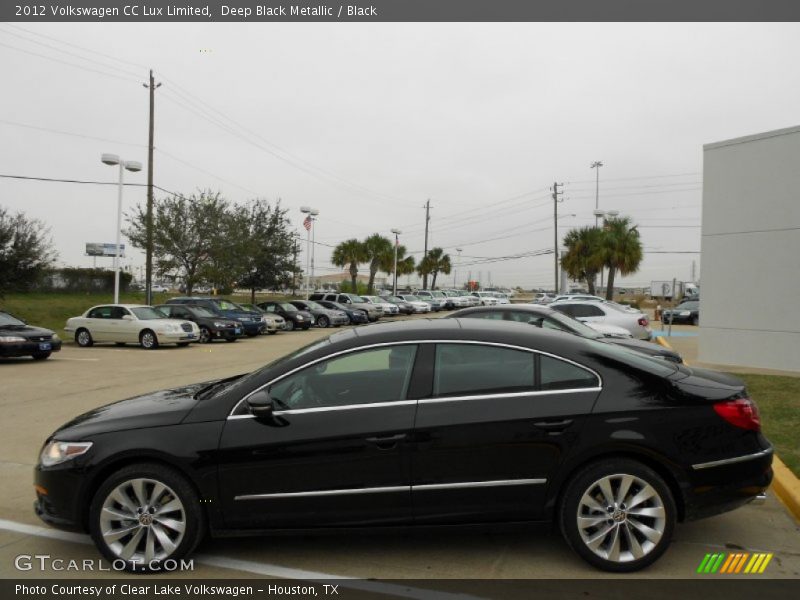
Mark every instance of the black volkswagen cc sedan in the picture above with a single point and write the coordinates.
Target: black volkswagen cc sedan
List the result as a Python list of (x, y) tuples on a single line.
[(431, 422)]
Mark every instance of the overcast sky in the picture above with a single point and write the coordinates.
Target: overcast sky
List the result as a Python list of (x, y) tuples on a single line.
[(365, 122)]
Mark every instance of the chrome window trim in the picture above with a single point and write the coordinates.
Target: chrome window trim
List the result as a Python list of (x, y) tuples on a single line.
[(433, 400), (731, 461), (599, 387), (393, 489)]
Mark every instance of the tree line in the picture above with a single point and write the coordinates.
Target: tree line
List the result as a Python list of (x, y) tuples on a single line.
[(26, 251), (378, 253), (615, 246)]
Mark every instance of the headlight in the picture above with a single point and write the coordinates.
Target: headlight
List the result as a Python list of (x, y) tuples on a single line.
[(58, 452), (685, 313), (299, 317), (11, 339), (220, 324), (55, 338), (263, 319), (173, 328)]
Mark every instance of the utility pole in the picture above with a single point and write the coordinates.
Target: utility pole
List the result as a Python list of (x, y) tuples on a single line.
[(148, 278), (425, 255), (556, 200)]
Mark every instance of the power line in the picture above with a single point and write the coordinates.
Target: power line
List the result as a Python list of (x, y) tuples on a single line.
[(70, 133), (70, 64)]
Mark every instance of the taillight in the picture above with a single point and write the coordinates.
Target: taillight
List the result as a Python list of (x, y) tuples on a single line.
[(643, 321), (742, 412)]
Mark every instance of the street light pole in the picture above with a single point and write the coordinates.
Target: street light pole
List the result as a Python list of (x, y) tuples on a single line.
[(309, 224), (455, 272), (396, 233), (132, 166), (596, 165)]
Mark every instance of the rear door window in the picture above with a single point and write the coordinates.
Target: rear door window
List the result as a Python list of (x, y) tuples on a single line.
[(474, 369), (557, 374)]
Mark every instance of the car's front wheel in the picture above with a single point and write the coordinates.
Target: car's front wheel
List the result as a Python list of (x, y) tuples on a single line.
[(145, 514), (83, 338), (148, 340), (618, 515), (289, 325), (323, 322), (205, 335)]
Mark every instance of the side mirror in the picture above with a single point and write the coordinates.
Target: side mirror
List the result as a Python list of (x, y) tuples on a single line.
[(536, 322), (127, 317), (261, 405)]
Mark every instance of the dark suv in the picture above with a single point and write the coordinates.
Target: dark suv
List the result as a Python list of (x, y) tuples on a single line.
[(351, 300), (253, 323), (211, 325)]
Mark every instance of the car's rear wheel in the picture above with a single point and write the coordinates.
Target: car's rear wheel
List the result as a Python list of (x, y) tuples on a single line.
[(145, 514), (618, 515), (41, 355), (83, 338), (324, 322), (148, 340), (205, 335)]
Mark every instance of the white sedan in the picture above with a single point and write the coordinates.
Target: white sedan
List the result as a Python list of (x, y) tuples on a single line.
[(486, 298), (591, 311), (416, 303), (388, 307), (130, 323)]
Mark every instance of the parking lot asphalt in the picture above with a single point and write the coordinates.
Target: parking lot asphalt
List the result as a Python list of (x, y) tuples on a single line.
[(38, 396)]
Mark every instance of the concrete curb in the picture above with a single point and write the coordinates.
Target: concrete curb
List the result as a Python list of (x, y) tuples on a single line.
[(786, 486), (784, 483)]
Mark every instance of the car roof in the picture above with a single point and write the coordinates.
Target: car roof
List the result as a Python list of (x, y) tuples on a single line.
[(454, 329), (122, 305), (530, 308)]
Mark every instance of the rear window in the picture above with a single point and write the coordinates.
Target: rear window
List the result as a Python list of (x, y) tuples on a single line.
[(631, 358)]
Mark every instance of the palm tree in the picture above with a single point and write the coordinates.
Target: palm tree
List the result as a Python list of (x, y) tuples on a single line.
[(584, 257), (378, 249), (349, 254), (405, 264), (622, 250), (433, 263)]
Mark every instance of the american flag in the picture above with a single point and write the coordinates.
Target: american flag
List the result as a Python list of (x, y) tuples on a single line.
[(307, 223)]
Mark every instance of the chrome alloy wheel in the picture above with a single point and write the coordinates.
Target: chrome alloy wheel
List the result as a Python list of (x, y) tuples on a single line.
[(148, 340), (142, 520), (621, 518)]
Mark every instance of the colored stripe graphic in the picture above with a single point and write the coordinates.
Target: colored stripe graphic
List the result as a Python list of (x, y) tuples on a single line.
[(734, 563)]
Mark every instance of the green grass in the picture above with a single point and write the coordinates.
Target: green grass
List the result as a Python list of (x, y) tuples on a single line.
[(778, 400), (52, 309)]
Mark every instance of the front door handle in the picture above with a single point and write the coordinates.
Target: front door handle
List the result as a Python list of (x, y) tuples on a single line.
[(387, 442), (554, 426)]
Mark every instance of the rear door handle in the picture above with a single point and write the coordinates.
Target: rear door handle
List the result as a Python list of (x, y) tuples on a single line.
[(554, 425), (387, 442)]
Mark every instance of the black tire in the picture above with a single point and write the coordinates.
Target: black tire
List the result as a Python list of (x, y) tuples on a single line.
[(177, 488), (251, 334), (229, 340), (695, 321), (148, 339), (289, 325), (41, 355), (323, 322), (585, 489), (205, 335), (273, 332), (83, 338), (183, 344)]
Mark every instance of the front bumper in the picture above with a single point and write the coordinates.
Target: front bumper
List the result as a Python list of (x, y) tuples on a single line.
[(58, 493), (178, 338), (228, 333), (29, 348)]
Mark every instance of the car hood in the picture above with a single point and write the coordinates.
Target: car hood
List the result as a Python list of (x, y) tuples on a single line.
[(156, 409), (26, 331)]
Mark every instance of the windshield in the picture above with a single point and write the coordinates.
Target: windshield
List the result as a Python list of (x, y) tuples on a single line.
[(439, 295), (146, 313), (288, 307), (199, 311), (688, 305), (7, 320), (574, 325), (356, 299), (226, 305), (314, 305)]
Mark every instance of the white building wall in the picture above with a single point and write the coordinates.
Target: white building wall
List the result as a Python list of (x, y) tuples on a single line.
[(750, 291)]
